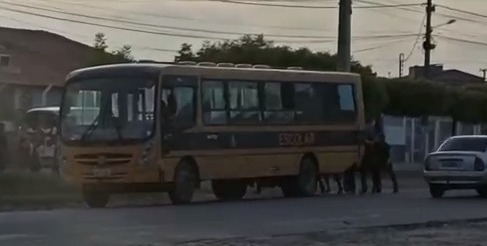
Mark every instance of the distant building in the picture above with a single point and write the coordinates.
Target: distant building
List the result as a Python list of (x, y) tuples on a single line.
[(449, 77), (33, 67), (412, 138)]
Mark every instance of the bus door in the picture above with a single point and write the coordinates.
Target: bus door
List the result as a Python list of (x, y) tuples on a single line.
[(177, 112)]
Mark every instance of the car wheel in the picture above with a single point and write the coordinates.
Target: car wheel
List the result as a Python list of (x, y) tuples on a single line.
[(482, 191), (436, 191)]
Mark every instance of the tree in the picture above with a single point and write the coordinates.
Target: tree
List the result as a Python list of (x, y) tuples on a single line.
[(391, 96), (255, 49), (101, 55)]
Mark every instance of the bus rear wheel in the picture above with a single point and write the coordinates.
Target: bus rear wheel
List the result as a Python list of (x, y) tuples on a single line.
[(185, 183), (229, 190), (95, 199)]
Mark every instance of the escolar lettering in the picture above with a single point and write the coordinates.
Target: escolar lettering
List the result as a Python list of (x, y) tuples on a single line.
[(296, 139)]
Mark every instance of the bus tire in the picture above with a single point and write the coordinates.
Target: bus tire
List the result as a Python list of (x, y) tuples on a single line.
[(185, 182), (229, 190), (307, 179), (96, 199)]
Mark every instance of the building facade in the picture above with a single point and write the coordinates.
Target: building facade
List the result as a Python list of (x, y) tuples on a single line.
[(33, 67)]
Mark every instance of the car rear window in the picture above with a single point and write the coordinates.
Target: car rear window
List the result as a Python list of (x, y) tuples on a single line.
[(464, 144)]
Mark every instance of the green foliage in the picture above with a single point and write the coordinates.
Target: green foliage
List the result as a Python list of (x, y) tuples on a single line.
[(396, 97), (416, 98), (254, 49), (102, 57)]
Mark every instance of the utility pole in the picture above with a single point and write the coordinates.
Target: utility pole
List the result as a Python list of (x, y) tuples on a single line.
[(483, 71), (401, 64), (427, 45), (344, 36)]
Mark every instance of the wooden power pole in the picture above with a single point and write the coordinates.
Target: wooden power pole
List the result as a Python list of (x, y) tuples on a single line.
[(344, 55), (427, 45)]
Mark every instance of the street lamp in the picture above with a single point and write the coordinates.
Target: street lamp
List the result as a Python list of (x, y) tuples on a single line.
[(451, 21)]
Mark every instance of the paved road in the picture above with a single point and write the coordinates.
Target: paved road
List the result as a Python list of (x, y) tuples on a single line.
[(165, 224)]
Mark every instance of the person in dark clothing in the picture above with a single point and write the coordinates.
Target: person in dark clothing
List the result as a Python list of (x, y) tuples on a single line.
[(367, 166), (325, 187), (349, 180), (4, 154), (383, 153)]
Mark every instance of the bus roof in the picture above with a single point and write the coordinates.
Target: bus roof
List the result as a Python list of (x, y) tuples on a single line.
[(155, 69)]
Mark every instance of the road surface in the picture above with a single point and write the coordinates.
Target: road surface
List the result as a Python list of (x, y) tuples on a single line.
[(140, 225)]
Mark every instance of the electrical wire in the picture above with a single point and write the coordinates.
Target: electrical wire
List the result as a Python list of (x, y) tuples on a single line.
[(461, 11), (317, 40), (309, 6), (417, 40)]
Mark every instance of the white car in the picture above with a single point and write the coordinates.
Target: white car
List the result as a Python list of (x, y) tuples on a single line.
[(459, 163)]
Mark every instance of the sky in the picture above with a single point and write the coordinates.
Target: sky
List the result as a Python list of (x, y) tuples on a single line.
[(379, 34)]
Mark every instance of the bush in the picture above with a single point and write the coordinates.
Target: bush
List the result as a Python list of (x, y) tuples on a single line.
[(415, 99)]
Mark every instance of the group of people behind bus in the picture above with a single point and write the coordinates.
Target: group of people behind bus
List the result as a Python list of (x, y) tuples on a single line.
[(375, 160)]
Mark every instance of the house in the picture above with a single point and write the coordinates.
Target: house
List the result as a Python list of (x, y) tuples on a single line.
[(412, 138), (451, 77), (33, 67)]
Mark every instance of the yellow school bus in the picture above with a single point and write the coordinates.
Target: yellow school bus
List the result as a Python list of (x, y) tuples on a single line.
[(169, 127)]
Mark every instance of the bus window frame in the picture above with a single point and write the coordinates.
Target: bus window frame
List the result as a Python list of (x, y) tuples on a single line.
[(116, 142), (261, 97), (168, 84)]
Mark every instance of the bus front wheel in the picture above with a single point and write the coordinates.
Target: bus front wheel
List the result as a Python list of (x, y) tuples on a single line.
[(96, 199), (229, 189), (185, 183)]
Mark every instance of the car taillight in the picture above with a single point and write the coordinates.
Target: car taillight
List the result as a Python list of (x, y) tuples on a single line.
[(479, 164)]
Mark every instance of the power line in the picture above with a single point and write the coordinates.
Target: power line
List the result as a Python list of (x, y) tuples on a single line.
[(168, 27), (417, 40), (381, 45), (398, 6), (462, 11), (186, 18), (461, 40), (310, 6), (317, 40), (155, 25)]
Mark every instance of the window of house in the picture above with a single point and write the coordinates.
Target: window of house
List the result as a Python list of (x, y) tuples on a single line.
[(278, 105), (244, 102), (214, 104), (4, 61)]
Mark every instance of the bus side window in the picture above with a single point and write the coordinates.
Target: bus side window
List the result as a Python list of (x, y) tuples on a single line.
[(279, 103), (310, 106), (244, 102), (214, 104)]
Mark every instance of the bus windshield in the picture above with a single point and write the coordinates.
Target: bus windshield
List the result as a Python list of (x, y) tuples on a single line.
[(108, 109)]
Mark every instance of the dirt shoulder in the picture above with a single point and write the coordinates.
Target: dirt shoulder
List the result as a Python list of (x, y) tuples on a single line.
[(438, 233)]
